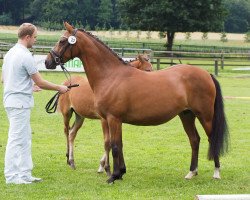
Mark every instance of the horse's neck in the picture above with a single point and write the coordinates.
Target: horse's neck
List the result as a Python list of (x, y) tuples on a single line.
[(99, 61)]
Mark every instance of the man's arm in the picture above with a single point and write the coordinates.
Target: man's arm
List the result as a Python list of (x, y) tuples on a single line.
[(40, 82)]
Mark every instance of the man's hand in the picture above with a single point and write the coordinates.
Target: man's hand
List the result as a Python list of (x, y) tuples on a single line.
[(36, 88), (62, 89)]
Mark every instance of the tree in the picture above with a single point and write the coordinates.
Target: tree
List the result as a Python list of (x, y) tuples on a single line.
[(115, 20), (36, 9), (87, 12), (173, 16), (54, 10), (105, 13), (15, 11), (238, 20)]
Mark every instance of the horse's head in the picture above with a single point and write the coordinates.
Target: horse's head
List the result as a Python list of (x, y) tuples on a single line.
[(65, 49), (142, 63)]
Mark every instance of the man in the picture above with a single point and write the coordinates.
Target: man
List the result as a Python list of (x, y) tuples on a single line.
[(19, 73)]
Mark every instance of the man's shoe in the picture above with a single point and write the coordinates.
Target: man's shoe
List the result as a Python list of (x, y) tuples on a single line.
[(32, 179), (18, 181)]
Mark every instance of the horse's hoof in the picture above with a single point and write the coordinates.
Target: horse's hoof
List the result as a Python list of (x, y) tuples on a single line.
[(72, 165), (216, 173), (191, 174), (217, 177), (100, 170), (111, 180)]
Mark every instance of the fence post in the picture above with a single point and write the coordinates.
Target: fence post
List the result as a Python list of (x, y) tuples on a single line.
[(143, 45), (216, 67), (158, 63), (122, 52), (222, 61), (172, 55)]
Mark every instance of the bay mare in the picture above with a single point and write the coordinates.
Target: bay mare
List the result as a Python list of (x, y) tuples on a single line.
[(127, 95), (80, 101)]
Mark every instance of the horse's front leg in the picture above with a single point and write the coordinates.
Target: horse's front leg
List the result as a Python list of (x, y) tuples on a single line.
[(104, 162), (115, 130)]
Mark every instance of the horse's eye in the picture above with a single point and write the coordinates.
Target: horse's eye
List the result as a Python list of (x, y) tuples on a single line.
[(61, 41)]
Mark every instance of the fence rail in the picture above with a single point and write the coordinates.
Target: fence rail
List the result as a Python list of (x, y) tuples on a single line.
[(159, 58), (145, 45)]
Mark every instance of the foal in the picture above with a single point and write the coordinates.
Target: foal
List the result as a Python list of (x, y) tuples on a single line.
[(80, 101)]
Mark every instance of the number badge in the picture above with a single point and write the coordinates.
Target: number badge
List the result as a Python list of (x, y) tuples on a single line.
[(72, 39)]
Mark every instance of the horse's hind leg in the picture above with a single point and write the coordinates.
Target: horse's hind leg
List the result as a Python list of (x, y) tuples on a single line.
[(207, 125), (72, 134), (104, 162), (66, 120), (188, 121)]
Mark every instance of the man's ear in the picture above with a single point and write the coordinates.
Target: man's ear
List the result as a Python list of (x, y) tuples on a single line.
[(27, 37)]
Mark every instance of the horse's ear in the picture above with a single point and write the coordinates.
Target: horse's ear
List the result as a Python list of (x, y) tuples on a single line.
[(147, 55), (68, 27), (140, 57)]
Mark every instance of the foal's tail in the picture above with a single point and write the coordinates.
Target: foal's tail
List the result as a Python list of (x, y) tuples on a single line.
[(219, 135)]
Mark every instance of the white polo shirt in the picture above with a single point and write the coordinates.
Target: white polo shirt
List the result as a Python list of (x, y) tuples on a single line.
[(18, 66)]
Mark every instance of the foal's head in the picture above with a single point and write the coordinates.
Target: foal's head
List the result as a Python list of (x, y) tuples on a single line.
[(65, 49), (142, 63)]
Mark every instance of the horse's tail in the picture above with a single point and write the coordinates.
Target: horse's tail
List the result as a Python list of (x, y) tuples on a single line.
[(219, 135)]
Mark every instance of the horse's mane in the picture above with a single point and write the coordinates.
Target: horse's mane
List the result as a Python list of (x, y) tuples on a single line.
[(102, 43)]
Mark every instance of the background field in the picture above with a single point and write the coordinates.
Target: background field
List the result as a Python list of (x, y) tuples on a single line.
[(8, 33), (157, 157)]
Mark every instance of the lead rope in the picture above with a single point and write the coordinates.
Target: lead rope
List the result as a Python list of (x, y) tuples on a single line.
[(51, 106)]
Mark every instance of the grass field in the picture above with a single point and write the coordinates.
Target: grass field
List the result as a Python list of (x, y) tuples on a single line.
[(157, 157)]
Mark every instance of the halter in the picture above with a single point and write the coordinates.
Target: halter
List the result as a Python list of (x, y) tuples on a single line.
[(58, 58), (59, 61)]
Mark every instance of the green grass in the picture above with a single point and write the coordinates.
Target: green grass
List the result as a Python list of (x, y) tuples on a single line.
[(157, 157)]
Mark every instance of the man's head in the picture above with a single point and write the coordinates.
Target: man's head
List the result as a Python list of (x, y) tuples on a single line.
[(27, 34)]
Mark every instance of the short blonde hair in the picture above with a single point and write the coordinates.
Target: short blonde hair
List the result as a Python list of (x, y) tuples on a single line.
[(26, 29)]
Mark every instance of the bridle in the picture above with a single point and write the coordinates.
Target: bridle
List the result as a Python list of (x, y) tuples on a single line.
[(58, 58), (51, 106)]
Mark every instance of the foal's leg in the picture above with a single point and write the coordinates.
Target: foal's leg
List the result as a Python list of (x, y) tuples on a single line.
[(104, 162), (188, 121), (115, 130), (72, 134), (66, 119)]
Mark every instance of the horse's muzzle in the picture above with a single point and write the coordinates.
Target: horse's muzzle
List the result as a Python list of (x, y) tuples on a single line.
[(50, 64)]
